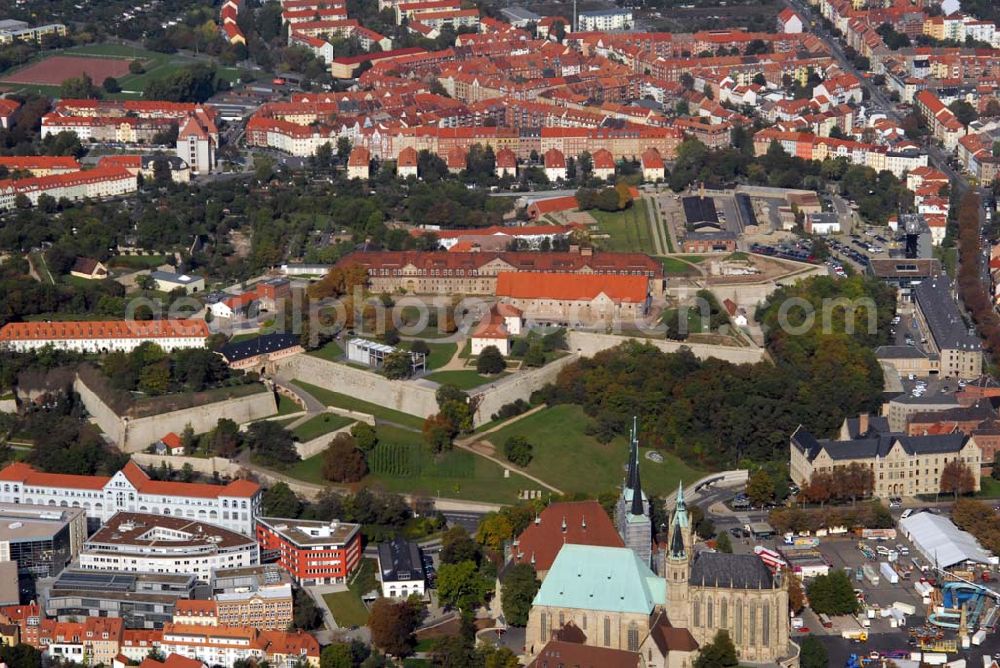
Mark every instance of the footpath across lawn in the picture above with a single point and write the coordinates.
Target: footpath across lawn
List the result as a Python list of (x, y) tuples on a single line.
[(567, 457)]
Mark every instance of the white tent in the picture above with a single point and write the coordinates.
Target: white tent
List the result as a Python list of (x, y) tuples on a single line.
[(941, 542)]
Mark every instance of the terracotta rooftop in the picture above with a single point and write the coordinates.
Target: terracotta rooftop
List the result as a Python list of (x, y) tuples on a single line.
[(98, 329), (572, 287), (586, 523)]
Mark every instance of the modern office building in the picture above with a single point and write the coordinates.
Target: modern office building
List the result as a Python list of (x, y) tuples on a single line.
[(313, 552), (42, 540), (147, 543), (143, 600)]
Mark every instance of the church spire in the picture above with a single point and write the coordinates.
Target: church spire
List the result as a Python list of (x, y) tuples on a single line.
[(634, 484)]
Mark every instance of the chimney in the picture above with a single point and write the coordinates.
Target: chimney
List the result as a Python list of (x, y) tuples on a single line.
[(863, 423), (476, 248), (587, 252), (564, 524)]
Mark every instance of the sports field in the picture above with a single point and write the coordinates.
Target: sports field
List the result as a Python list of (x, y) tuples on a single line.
[(54, 70)]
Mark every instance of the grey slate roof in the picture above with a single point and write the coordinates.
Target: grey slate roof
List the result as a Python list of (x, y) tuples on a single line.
[(980, 411), (899, 352), (940, 310), (267, 343), (731, 571), (877, 424), (876, 446)]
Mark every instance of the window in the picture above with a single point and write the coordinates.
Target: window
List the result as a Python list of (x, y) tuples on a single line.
[(766, 626), (738, 619), (633, 637), (545, 627), (723, 613), (710, 614), (607, 632), (696, 609), (753, 624)]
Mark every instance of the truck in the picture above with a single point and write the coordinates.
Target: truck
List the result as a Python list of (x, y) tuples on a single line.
[(871, 574), (888, 572), (855, 635), (859, 574), (978, 637), (905, 608)]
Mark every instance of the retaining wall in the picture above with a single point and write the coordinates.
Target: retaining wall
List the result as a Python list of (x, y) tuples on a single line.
[(136, 434), (206, 465), (589, 344)]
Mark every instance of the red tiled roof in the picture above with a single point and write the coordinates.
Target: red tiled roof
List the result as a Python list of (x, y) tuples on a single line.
[(195, 606), (527, 261), (360, 157), (506, 158), (407, 157), (39, 161), (586, 524), (28, 475), (552, 204), (8, 107), (98, 329), (555, 158), (603, 159), (572, 287), (171, 440), (561, 653), (651, 159), (172, 661)]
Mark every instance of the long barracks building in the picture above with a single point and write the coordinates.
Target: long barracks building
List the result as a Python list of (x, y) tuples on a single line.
[(234, 506), (440, 272)]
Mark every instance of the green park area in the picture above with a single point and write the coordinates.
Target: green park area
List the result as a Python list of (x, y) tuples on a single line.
[(339, 400), (157, 65), (465, 379), (331, 352), (347, 607), (676, 266), (628, 229), (402, 463), (324, 423), (568, 458)]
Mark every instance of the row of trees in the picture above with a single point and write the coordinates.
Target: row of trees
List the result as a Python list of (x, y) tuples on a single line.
[(871, 515), (971, 288), (979, 519), (842, 484)]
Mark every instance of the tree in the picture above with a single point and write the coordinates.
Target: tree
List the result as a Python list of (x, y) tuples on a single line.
[(81, 87), (760, 488), (461, 586), (796, 595), (493, 530), (110, 85), (457, 546), (392, 624), (279, 500), (271, 443), (490, 361), (397, 365), (420, 346), (518, 587), (518, 450), (344, 655), (833, 594), (365, 436), (720, 653), (957, 478), (813, 654), (155, 379), (723, 544), (161, 171), (343, 461), (306, 614), (964, 112)]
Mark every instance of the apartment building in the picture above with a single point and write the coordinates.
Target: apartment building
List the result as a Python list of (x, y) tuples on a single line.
[(99, 336), (234, 506), (313, 552), (949, 336), (19, 31), (604, 20), (95, 183), (147, 543), (268, 608), (94, 641), (901, 464), (225, 645), (943, 124)]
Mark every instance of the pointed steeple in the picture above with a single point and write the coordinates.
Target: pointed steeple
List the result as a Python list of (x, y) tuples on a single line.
[(680, 507), (636, 486)]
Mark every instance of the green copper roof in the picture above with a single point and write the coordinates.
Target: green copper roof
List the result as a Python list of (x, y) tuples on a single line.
[(601, 578)]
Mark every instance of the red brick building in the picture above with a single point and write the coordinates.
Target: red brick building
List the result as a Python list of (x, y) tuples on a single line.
[(313, 552)]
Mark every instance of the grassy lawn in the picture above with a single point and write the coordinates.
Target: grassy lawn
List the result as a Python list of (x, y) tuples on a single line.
[(440, 353), (990, 488), (331, 352), (137, 261), (694, 320), (319, 425), (558, 434), (465, 379), (339, 400), (286, 406), (628, 229), (674, 267), (401, 463), (347, 608)]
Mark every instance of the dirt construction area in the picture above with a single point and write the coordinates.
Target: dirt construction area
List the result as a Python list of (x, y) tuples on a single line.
[(56, 69)]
